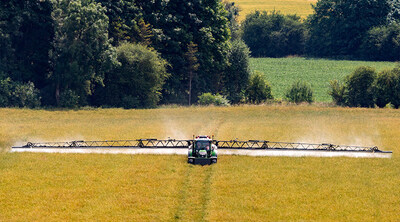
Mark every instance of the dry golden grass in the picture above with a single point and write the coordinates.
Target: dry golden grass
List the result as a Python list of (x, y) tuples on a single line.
[(36, 187), (316, 189), (47, 187), (300, 7)]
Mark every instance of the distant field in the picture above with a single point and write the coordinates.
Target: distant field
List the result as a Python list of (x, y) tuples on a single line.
[(300, 7), (54, 187), (282, 72)]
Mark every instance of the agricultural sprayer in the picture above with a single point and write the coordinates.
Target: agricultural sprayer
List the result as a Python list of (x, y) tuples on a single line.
[(204, 150)]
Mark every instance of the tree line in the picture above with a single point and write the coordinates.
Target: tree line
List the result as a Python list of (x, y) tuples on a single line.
[(138, 53), (117, 53), (355, 29)]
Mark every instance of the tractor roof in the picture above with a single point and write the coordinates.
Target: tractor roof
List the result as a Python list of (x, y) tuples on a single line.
[(207, 138)]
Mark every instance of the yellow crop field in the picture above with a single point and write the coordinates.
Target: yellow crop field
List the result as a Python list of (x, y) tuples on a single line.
[(115, 187), (300, 7)]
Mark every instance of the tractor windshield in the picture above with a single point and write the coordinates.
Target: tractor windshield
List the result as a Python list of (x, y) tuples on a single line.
[(202, 145)]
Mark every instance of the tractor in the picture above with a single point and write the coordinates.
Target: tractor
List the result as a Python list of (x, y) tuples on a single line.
[(202, 151)]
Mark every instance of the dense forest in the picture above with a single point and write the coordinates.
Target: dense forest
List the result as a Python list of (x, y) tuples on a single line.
[(140, 53)]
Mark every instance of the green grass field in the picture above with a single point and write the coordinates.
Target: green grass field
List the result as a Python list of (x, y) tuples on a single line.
[(300, 7), (54, 187), (282, 72)]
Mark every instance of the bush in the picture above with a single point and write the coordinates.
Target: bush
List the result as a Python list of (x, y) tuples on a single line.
[(207, 99), (364, 88), (69, 99), (359, 87), (14, 94), (300, 92), (221, 100), (129, 102), (258, 89), (26, 95), (273, 34), (337, 92), (387, 88)]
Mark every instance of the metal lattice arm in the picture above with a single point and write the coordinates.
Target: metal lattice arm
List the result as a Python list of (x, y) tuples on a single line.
[(221, 144)]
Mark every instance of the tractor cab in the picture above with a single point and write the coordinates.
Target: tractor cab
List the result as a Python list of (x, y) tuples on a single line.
[(202, 148), (202, 151)]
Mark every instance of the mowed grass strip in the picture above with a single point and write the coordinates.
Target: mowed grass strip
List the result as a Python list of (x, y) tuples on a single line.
[(195, 194), (166, 188), (283, 72), (299, 7)]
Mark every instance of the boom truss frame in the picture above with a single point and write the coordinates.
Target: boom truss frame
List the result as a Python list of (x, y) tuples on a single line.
[(221, 144)]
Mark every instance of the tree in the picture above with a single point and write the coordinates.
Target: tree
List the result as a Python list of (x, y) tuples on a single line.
[(138, 79), (126, 22), (26, 32), (82, 51), (237, 73), (232, 16), (177, 23), (337, 27), (273, 34), (258, 89), (394, 14), (192, 65), (382, 43)]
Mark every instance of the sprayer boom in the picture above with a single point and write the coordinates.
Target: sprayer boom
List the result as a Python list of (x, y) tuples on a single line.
[(221, 144)]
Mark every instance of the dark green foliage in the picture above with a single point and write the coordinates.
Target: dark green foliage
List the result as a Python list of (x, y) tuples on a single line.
[(232, 16), (273, 34), (126, 22), (237, 74), (337, 92), (192, 65), (26, 95), (138, 79), (338, 27), (64, 46), (14, 94), (359, 87), (82, 52), (26, 32), (206, 99), (6, 88), (69, 99), (364, 88), (300, 92), (382, 43), (394, 14), (387, 88), (130, 102), (176, 24), (258, 89)]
